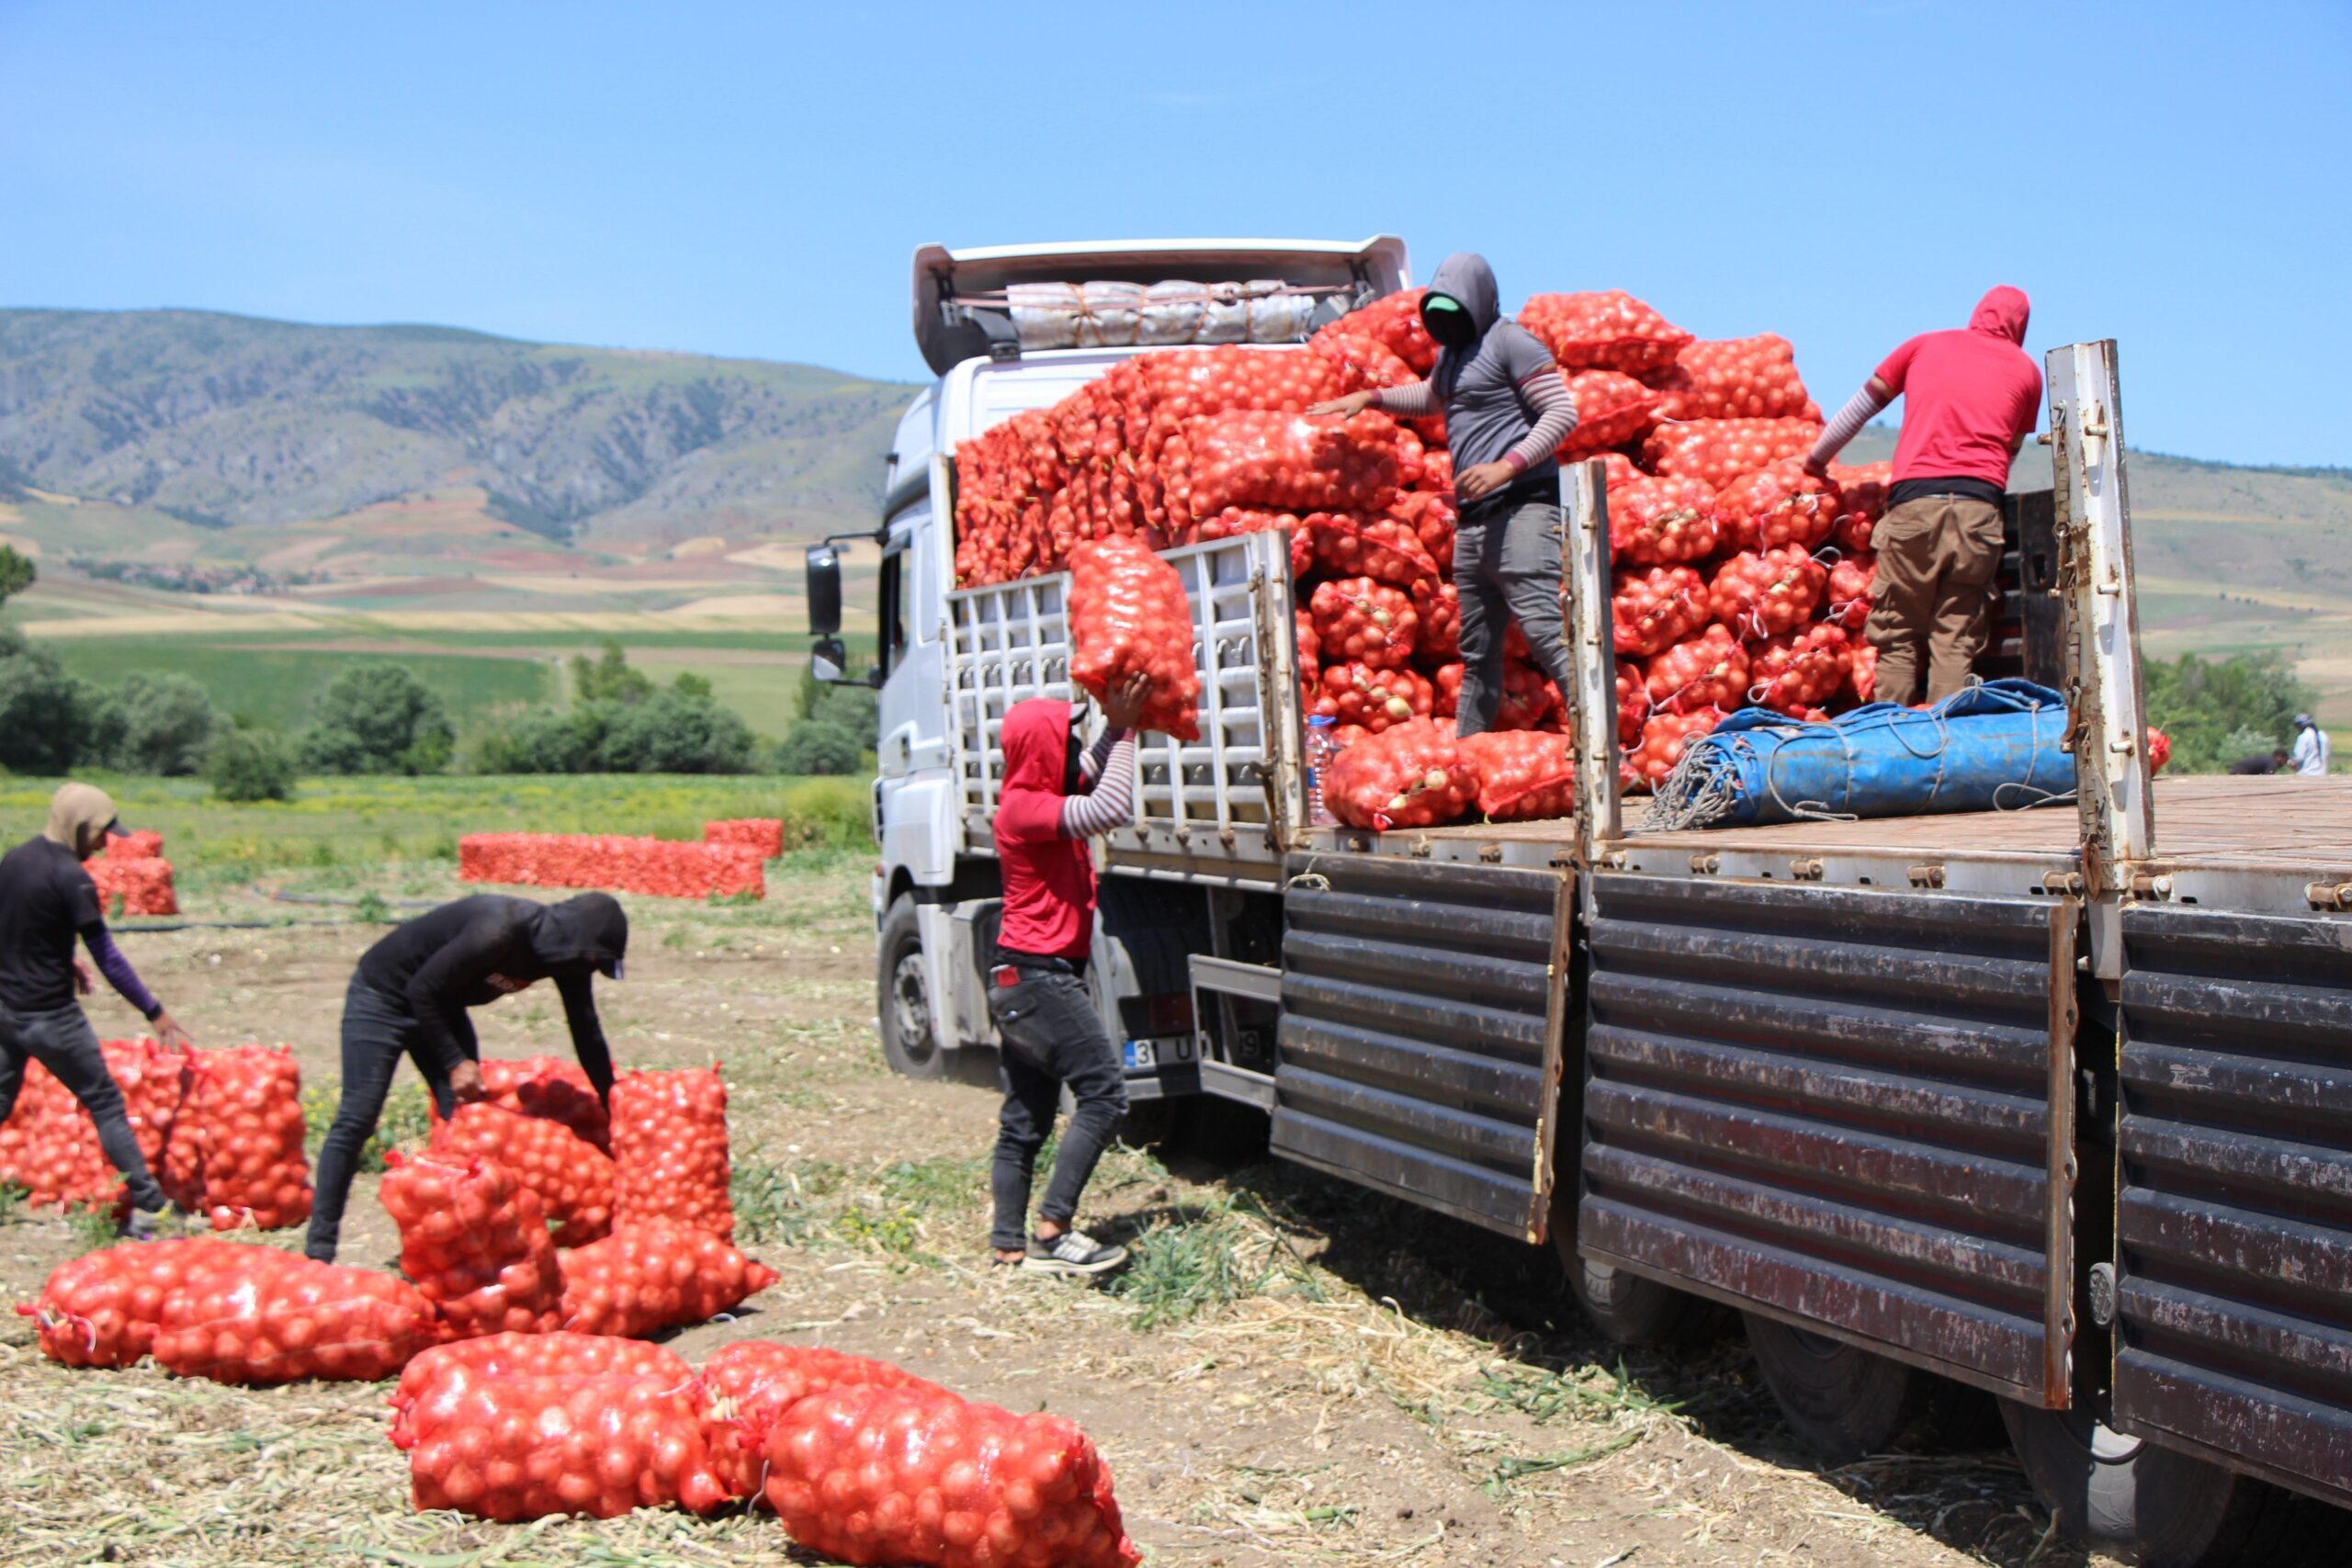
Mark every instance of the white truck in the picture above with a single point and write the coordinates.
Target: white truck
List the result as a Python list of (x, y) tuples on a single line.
[(2040, 1104)]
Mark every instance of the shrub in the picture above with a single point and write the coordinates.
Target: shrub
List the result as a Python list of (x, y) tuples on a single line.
[(816, 746), (2207, 706), (673, 732), (250, 764), (548, 740), (50, 722), (378, 718), (167, 725)]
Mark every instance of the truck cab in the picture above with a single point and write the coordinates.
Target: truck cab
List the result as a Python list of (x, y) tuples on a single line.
[(983, 318)]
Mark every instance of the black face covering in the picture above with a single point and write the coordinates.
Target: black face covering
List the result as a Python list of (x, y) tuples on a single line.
[(1451, 328), (1073, 776)]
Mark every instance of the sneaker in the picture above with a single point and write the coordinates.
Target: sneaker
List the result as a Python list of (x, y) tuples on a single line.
[(1073, 1252)]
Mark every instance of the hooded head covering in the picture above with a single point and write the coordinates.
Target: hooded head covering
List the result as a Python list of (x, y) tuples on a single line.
[(79, 816), (1036, 745), (1465, 279), (590, 929), (2003, 312)]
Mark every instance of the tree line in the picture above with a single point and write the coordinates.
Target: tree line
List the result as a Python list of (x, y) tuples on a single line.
[(378, 718)]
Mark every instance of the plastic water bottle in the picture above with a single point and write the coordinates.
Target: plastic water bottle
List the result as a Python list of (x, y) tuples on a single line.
[(1321, 747)]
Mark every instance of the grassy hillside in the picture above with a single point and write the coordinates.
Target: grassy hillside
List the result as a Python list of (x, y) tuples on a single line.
[(226, 423)]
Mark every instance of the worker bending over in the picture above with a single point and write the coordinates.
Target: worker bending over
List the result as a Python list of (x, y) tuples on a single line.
[(1507, 409), (47, 900), (1057, 795), (1970, 400), (411, 994)]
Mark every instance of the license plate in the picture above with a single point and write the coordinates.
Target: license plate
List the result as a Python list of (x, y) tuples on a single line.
[(1140, 1054)]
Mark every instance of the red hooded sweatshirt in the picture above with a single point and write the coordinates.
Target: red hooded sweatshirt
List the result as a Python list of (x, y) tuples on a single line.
[(1048, 879), (1968, 394)]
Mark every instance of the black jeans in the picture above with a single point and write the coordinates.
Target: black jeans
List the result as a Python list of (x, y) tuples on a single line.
[(1052, 1037), (62, 1041), (377, 1032), (1505, 567)]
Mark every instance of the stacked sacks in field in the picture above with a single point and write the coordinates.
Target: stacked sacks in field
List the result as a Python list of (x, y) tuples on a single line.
[(670, 1153), (131, 875), (234, 1153), (660, 866), (474, 1240), (765, 834), (571, 1178)]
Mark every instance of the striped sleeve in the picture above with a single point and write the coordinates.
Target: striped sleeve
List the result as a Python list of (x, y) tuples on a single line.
[(1112, 801), (1847, 424), (1415, 399), (1555, 414)]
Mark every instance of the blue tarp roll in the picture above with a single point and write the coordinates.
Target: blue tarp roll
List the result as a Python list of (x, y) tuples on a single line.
[(1995, 747)]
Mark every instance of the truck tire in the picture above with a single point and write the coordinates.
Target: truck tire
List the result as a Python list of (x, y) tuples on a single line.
[(1845, 1403), (2158, 1508), (910, 1035), (1634, 1312)]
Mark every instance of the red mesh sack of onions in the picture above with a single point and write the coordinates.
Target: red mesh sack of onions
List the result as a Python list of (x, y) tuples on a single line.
[(1396, 321), (474, 1240), (1358, 693), (1248, 457), (1709, 671), (1411, 776), (1661, 521), (918, 1478), (101, 1309), (235, 1151), (1432, 515), (1381, 545), (1437, 605), (49, 1147), (1655, 609), (1364, 360), (1530, 699), (1201, 383), (749, 1385), (1864, 679), (270, 1317), (1717, 451), (1861, 502), (1780, 504), (1663, 738), (1633, 701), (670, 1149), (1850, 581), (2159, 750), (1748, 377), (548, 1088), (1800, 671), (1612, 409), (1310, 642), (1608, 330), (1356, 619), (572, 1177), (654, 1275), (555, 1354), (1763, 594), (524, 1447), (1524, 775), (1445, 688), (1129, 615)]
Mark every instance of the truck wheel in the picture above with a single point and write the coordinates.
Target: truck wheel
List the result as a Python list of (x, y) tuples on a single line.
[(910, 1035), (1847, 1404), (1632, 1311), (2159, 1509)]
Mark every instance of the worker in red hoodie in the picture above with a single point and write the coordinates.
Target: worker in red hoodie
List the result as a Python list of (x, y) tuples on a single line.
[(1057, 794), (1970, 397)]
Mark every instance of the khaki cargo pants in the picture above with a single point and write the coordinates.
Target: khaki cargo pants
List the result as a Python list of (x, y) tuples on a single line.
[(1932, 604)]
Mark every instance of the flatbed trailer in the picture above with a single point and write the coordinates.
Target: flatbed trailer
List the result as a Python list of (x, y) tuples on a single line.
[(2050, 1103)]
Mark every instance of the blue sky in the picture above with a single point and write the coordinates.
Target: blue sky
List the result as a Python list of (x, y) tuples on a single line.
[(749, 179)]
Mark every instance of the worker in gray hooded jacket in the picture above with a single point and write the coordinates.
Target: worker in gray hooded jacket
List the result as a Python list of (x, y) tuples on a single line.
[(1507, 409)]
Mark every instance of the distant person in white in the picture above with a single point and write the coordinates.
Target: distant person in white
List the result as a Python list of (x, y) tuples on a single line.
[(2310, 755)]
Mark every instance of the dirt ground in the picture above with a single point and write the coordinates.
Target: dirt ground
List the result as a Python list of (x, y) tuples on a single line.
[(1293, 1371)]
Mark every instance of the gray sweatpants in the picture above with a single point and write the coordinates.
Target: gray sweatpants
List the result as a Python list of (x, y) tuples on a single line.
[(1507, 567), (62, 1041)]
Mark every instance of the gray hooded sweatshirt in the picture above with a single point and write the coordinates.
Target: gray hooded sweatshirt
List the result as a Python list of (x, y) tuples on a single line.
[(1486, 409)]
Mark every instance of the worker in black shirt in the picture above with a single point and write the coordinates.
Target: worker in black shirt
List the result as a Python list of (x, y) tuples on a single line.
[(410, 997), (47, 900), (2257, 764)]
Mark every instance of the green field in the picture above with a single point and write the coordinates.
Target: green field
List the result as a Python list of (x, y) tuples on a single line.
[(351, 825)]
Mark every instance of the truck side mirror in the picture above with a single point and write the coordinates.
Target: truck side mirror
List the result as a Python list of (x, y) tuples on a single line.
[(825, 601)]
